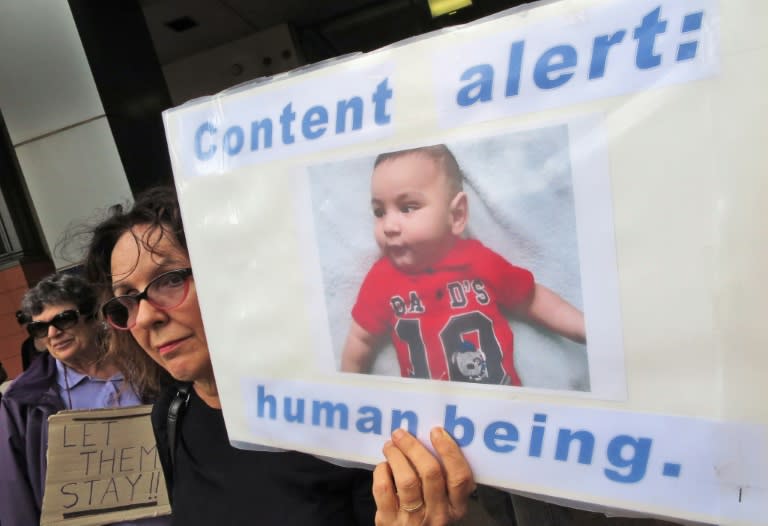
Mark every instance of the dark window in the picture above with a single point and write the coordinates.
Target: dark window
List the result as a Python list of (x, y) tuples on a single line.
[(20, 237)]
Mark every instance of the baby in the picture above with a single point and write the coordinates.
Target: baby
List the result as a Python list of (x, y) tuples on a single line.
[(440, 297)]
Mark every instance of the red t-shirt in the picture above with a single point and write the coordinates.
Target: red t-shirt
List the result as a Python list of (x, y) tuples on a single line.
[(446, 323)]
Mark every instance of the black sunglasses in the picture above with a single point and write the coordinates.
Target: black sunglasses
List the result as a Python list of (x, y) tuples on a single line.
[(62, 321)]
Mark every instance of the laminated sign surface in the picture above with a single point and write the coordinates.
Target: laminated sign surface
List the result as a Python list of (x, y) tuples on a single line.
[(541, 231)]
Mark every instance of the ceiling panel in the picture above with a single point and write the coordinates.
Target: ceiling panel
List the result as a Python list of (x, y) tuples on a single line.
[(297, 12), (46, 83), (216, 24), (324, 28)]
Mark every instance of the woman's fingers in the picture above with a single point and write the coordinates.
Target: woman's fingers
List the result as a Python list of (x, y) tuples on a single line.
[(397, 491), (404, 468), (428, 471), (412, 487), (460, 482), (385, 495)]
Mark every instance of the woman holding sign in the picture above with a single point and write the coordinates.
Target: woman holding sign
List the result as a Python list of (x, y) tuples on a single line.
[(139, 257), (74, 374)]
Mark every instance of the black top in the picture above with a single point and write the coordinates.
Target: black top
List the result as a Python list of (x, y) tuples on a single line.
[(215, 483)]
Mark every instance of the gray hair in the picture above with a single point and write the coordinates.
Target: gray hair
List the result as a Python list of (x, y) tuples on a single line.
[(60, 288)]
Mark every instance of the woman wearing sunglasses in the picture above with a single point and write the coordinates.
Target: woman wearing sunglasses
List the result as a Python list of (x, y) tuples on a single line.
[(73, 374), (140, 258)]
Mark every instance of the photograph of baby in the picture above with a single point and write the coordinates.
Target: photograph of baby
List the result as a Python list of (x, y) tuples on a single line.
[(455, 261)]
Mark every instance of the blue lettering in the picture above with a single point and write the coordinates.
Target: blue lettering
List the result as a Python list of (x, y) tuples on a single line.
[(637, 462), (537, 436), (409, 417), (514, 68), (314, 121), (330, 409), (286, 118), (312, 124), (691, 22), (356, 104), (380, 98), (600, 52), (263, 399), (264, 125), (204, 155), (558, 65), (293, 416), (671, 469), (645, 34), (452, 422), (498, 434), (552, 60), (566, 437), (370, 423), (627, 456), (480, 90), (236, 134)]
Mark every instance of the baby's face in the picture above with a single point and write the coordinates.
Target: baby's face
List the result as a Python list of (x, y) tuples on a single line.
[(411, 200)]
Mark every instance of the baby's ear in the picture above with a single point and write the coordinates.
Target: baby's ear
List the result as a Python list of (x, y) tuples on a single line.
[(459, 213)]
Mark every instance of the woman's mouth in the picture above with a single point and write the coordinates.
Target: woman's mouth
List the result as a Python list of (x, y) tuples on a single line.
[(62, 344), (170, 346)]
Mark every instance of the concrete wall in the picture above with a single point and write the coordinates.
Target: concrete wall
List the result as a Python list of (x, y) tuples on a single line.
[(61, 138), (55, 119)]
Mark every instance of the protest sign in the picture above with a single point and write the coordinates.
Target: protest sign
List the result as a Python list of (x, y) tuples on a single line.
[(103, 467), (612, 150)]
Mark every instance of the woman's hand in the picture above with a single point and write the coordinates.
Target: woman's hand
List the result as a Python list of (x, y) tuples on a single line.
[(412, 488)]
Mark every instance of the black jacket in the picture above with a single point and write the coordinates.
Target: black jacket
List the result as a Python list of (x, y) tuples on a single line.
[(212, 482)]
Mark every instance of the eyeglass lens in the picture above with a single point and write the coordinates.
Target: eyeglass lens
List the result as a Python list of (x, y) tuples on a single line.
[(62, 321), (167, 291)]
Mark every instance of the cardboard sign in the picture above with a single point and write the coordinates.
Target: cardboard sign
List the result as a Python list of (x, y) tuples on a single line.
[(103, 467), (614, 150)]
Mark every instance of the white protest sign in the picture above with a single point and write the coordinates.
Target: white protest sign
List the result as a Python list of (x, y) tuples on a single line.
[(103, 467), (613, 149)]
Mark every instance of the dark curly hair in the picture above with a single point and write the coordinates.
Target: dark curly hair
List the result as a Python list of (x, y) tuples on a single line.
[(159, 208)]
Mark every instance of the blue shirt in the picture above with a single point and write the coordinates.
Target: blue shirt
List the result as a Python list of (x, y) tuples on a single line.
[(80, 391)]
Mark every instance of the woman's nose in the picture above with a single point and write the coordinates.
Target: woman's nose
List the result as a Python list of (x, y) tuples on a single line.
[(148, 315)]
